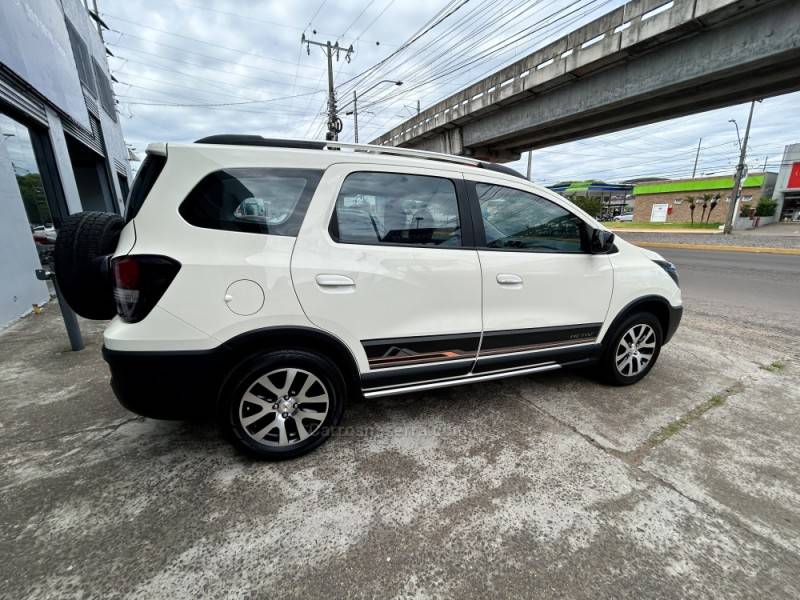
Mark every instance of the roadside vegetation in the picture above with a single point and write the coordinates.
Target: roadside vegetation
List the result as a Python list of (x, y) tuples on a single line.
[(676, 225), (593, 206), (765, 208), (774, 367)]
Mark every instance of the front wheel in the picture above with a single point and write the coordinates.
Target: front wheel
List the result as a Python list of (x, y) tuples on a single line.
[(282, 404), (632, 350)]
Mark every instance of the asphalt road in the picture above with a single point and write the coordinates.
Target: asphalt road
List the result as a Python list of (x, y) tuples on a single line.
[(739, 279)]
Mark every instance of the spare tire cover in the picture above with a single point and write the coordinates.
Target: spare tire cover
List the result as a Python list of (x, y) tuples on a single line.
[(84, 284)]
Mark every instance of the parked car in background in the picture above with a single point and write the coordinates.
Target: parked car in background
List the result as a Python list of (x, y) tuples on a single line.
[(624, 218), (44, 234)]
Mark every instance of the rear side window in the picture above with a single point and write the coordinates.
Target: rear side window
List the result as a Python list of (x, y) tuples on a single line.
[(252, 200), (395, 208), (148, 173)]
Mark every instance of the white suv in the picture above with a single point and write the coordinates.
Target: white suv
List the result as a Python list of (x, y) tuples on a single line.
[(271, 280)]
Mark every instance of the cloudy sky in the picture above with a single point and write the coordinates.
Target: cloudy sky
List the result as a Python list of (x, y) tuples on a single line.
[(190, 68)]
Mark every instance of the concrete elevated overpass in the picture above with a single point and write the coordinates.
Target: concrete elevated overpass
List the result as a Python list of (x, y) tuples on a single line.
[(646, 61)]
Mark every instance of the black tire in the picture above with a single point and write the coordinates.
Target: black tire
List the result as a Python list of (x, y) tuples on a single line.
[(233, 407), (613, 353), (82, 240)]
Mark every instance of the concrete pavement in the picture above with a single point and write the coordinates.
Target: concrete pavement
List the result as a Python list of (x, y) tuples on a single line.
[(774, 229), (685, 485)]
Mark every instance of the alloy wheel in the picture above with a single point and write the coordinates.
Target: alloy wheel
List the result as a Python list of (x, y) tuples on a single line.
[(284, 407), (635, 350)]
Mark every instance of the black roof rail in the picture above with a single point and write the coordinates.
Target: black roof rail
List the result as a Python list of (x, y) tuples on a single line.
[(257, 140), (501, 169)]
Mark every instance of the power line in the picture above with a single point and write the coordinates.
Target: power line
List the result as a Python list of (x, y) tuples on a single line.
[(370, 3), (195, 78), (413, 39), (239, 51), (498, 46), (252, 19), (199, 66), (224, 62), (371, 23), (263, 100), (496, 49)]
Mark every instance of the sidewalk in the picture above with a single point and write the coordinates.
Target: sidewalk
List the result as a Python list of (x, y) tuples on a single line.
[(736, 242), (621, 230)]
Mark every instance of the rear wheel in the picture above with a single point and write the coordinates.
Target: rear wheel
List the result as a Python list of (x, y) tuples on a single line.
[(632, 350), (282, 404), (83, 240)]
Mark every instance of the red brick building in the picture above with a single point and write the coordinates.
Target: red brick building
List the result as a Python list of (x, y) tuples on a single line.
[(668, 200)]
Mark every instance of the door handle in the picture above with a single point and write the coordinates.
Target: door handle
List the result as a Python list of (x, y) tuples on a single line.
[(334, 281), (508, 279)]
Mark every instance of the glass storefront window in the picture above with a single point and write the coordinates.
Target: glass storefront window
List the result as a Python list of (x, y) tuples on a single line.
[(18, 149)]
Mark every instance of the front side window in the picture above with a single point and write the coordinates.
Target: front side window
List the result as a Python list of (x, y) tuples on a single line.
[(396, 208), (517, 220), (252, 200)]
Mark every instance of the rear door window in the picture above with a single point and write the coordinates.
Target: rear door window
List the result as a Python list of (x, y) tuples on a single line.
[(253, 200), (397, 208)]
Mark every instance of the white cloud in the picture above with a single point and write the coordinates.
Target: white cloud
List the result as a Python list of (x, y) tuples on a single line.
[(190, 52)]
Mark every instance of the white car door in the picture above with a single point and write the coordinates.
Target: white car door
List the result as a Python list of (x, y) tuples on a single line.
[(545, 297), (383, 262)]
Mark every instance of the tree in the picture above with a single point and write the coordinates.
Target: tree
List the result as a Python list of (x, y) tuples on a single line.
[(593, 206), (714, 202), (32, 192), (766, 207), (706, 202), (692, 206)]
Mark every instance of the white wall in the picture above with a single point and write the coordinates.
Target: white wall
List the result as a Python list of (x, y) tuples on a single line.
[(19, 288), (112, 131), (791, 155), (61, 152)]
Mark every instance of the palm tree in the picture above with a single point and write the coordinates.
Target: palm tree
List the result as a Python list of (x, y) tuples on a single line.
[(692, 206), (706, 203), (714, 202)]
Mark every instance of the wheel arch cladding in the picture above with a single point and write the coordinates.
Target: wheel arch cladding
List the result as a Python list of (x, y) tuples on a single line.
[(656, 305), (296, 338)]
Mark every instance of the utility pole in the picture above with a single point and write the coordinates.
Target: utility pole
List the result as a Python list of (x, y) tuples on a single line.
[(355, 115), (740, 174), (334, 122), (417, 106), (696, 156), (354, 112), (766, 160), (530, 159)]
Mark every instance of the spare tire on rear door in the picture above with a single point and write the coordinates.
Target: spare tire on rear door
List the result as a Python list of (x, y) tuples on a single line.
[(82, 242)]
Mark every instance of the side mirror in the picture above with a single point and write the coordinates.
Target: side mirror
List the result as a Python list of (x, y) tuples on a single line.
[(602, 241)]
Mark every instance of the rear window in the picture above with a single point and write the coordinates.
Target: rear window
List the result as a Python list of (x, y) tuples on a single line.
[(253, 200), (143, 183)]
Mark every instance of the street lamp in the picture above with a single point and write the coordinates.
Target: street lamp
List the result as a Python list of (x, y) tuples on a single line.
[(741, 172), (354, 112), (738, 137)]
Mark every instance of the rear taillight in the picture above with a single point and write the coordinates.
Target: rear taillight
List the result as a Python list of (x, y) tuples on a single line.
[(139, 283)]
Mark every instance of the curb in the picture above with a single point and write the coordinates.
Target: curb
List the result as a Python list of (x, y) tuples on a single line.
[(668, 231), (719, 248)]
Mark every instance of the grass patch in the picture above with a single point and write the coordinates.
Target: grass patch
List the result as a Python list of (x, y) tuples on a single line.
[(774, 367), (668, 431), (658, 226)]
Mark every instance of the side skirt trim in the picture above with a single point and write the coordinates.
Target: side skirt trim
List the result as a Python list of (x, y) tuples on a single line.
[(550, 366)]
